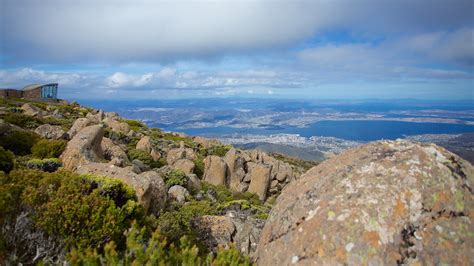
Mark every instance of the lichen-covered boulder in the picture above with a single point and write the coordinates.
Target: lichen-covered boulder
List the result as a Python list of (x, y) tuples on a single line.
[(215, 170), (117, 126), (178, 193), (114, 152), (205, 142), (85, 147), (185, 165), (215, 231), (384, 203), (145, 144), (50, 132), (180, 153), (79, 124)]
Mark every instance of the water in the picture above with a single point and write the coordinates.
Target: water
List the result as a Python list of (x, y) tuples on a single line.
[(349, 130)]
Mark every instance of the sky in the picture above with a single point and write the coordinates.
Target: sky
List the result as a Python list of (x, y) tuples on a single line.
[(351, 49)]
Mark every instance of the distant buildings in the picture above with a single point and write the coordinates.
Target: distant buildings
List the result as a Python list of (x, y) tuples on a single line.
[(33, 92)]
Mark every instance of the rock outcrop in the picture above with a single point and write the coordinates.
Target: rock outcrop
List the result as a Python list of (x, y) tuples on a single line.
[(79, 124), (85, 147), (259, 175), (50, 132), (149, 186), (384, 203), (215, 170), (117, 126)]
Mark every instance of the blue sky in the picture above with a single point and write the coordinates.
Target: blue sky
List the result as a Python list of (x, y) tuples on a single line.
[(283, 49)]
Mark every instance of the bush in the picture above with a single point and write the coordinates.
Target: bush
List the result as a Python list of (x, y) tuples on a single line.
[(21, 120), (175, 222), (175, 177), (155, 250), (199, 167), (19, 142), (6, 160), (47, 165), (46, 148), (83, 211), (134, 124), (144, 157), (219, 150)]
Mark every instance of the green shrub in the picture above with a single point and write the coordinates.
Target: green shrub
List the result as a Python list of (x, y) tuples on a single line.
[(144, 157), (21, 120), (19, 142), (46, 148), (218, 150), (155, 250), (134, 124), (199, 167), (83, 211), (7, 160), (175, 222), (47, 165), (175, 177)]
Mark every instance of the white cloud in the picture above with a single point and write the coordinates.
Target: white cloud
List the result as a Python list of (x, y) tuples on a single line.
[(145, 30)]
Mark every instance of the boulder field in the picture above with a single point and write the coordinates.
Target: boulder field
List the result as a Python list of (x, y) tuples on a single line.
[(384, 203)]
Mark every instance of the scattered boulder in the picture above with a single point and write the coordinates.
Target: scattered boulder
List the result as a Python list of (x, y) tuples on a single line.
[(31, 110), (97, 117), (79, 124), (156, 155), (142, 167), (259, 179), (149, 186), (178, 193), (215, 170), (215, 231), (180, 153), (193, 182), (205, 142), (114, 152), (85, 147), (145, 144), (185, 165), (117, 126), (50, 132), (384, 203)]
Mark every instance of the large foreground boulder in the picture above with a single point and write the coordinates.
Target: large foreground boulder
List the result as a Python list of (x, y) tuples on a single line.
[(78, 125), (149, 186), (85, 147), (385, 203)]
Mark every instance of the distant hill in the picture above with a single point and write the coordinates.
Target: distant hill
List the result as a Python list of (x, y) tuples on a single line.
[(306, 154), (462, 146)]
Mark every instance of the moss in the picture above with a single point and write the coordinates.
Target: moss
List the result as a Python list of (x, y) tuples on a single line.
[(48, 148), (7, 160), (19, 142)]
